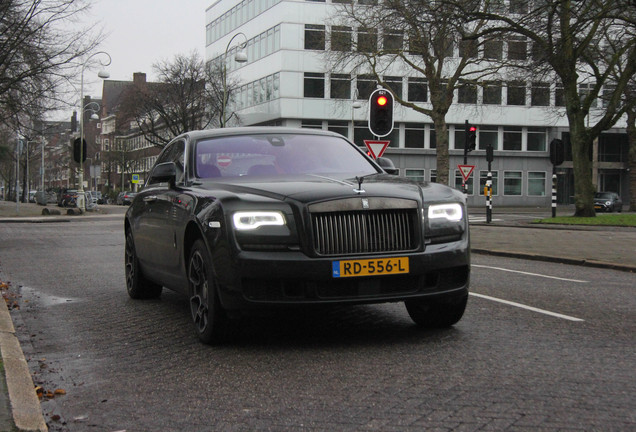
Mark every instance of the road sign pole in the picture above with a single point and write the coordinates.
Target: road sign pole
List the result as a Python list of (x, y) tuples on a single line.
[(489, 195), (554, 191)]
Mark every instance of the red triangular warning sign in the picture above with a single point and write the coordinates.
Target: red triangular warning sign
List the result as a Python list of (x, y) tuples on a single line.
[(376, 148), (466, 171)]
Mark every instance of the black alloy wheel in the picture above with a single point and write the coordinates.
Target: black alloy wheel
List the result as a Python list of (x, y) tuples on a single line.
[(210, 320), (137, 285), (436, 313)]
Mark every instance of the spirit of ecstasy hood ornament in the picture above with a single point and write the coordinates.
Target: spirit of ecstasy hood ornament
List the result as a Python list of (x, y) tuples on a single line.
[(359, 189)]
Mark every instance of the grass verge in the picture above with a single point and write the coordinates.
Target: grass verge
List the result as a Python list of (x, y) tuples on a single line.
[(611, 219)]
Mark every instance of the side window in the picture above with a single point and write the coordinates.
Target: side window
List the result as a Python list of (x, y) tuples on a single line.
[(178, 157), (174, 153)]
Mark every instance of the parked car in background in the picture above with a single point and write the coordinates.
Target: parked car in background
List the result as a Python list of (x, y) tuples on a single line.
[(125, 198), (248, 218), (94, 196), (67, 198), (608, 202)]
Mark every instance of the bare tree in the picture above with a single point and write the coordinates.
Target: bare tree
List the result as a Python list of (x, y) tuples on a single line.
[(418, 38), (39, 52), (584, 43), (186, 97)]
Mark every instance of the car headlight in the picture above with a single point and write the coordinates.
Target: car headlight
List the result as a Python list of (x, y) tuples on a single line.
[(608, 203), (250, 220), (450, 212)]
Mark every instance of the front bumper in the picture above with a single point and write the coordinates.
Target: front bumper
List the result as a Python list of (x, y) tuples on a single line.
[(266, 279)]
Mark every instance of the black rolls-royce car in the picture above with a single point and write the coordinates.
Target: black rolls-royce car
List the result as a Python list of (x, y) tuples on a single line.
[(248, 218)]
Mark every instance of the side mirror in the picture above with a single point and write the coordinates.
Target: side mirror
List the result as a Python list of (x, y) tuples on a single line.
[(164, 172), (387, 165)]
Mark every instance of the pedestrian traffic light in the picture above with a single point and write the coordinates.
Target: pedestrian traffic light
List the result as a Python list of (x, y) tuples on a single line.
[(472, 138), (381, 112), (79, 152)]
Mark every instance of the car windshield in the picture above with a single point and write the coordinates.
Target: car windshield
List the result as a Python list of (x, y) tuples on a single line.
[(278, 155), (603, 195)]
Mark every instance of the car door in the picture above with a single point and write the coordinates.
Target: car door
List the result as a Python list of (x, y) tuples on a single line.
[(156, 227)]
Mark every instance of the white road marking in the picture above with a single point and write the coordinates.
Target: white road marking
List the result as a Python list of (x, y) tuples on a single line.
[(530, 308), (529, 274)]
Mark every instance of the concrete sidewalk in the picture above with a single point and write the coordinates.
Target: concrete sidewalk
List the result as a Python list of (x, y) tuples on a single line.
[(605, 247)]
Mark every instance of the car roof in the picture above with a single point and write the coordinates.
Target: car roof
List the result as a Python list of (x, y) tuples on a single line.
[(255, 130)]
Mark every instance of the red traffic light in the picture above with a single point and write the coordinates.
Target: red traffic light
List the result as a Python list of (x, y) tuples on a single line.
[(382, 100), (473, 129)]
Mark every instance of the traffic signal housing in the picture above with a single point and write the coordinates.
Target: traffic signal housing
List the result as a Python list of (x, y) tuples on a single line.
[(381, 112), (79, 152), (472, 138)]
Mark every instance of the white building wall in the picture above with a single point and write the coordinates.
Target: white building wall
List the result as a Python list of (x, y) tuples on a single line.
[(290, 108)]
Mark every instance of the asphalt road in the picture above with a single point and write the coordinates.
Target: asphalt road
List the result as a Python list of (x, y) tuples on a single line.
[(542, 346)]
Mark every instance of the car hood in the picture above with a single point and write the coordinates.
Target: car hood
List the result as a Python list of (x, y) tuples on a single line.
[(313, 188)]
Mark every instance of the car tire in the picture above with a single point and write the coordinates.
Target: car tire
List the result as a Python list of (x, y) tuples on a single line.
[(210, 320), (137, 285), (436, 313)]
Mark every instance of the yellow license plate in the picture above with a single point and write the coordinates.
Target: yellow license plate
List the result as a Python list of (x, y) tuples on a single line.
[(370, 267)]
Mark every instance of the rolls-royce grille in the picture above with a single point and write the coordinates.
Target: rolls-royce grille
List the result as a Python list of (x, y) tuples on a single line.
[(360, 232)]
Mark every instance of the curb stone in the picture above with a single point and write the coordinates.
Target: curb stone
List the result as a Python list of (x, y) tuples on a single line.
[(25, 405)]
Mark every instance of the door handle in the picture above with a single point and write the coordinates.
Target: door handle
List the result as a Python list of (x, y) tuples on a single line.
[(150, 198)]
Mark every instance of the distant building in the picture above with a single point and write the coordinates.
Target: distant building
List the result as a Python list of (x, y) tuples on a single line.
[(285, 82), (124, 151)]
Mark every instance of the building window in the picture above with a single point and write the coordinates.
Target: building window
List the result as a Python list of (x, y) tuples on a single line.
[(492, 93), (488, 135), (537, 138), (518, 6), (540, 94), (467, 93), (516, 93), (460, 137), (483, 177), (341, 127), (365, 85), (512, 183), (414, 135), (417, 90), (512, 138), (432, 136), (608, 91), (415, 174), (340, 38), (517, 48), (585, 90), (459, 182), (468, 49), (395, 85), (311, 124), (393, 40), (433, 176), (559, 96), (314, 85), (493, 49), (314, 37), (536, 183), (361, 132), (340, 86), (367, 40)]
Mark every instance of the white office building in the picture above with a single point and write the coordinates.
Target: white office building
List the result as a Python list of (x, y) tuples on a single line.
[(287, 81)]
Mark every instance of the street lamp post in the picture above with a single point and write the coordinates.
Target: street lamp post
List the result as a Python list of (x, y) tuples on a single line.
[(355, 104), (81, 202), (239, 57)]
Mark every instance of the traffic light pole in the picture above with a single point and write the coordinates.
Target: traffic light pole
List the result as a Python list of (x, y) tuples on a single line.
[(466, 131)]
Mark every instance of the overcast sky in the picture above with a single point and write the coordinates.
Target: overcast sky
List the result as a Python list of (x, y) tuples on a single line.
[(142, 32)]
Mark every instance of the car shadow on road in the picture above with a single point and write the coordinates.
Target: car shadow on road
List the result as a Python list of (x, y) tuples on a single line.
[(325, 326)]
